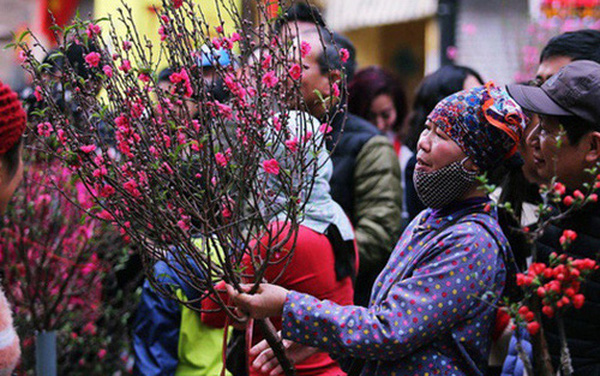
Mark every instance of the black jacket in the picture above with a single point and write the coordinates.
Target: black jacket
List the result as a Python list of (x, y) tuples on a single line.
[(366, 183), (582, 326)]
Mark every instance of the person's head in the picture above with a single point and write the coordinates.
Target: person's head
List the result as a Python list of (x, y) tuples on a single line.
[(12, 126), (324, 66), (566, 48), (566, 141), (435, 87), (301, 17), (467, 134), (377, 95), (164, 82)]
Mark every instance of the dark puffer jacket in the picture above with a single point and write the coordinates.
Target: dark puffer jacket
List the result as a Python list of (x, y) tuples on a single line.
[(366, 183), (582, 326)]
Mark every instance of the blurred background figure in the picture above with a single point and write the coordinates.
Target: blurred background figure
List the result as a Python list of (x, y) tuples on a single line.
[(376, 94)]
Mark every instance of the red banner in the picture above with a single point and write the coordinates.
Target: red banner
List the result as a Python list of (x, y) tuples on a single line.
[(62, 11)]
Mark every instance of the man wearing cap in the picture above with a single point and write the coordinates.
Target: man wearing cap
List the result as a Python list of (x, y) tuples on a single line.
[(570, 101)]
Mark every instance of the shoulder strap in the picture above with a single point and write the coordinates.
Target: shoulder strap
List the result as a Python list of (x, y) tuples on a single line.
[(511, 288)]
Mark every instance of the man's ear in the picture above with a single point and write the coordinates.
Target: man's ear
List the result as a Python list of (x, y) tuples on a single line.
[(592, 154)]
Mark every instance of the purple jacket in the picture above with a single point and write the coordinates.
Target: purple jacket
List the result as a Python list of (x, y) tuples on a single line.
[(426, 314)]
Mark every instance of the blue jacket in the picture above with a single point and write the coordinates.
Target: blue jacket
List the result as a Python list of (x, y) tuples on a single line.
[(169, 338)]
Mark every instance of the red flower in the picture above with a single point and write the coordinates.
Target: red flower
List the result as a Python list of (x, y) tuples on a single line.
[(107, 71), (270, 79), (177, 3), (325, 128), (93, 59), (567, 237), (162, 32), (183, 79), (92, 30), (295, 72), (568, 201), (221, 159), (131, 187), (578, 300), (305, 48), (266, 63), (335, 90), (37, 93), (292, 144), (548, 311), (107, 191), (271, 166), (560, 189), (88, 148), (125, 66), (578, 195), (344, 55), (45, 129), (533, 327)]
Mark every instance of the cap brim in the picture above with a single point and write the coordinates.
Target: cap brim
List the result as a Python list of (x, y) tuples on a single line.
[(534, 99)]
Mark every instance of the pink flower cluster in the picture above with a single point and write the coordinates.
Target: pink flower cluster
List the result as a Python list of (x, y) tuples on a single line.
[(181, 80)]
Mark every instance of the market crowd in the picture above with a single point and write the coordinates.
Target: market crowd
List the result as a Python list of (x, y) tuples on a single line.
[(402, 259)]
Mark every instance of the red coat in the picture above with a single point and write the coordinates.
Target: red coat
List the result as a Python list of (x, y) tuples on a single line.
[(310, 270)]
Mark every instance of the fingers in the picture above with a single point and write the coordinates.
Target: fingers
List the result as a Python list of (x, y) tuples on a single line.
[(266, 362), (276, 371), (259, 348), (236, 297), (241, 319)]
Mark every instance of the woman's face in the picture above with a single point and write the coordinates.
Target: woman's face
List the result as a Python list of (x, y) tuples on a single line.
[(436, 150), (8, 184), (383, 112)]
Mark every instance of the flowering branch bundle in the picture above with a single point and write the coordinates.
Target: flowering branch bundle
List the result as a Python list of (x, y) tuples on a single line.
[(550, 286), (55, 260), (168, 164)]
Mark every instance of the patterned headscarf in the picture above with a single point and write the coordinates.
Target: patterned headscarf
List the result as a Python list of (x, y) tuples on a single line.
[(485, 122)]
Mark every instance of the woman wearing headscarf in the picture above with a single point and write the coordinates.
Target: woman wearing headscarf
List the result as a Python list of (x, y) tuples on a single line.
[(432, 307), (12, 126), (323, 262)]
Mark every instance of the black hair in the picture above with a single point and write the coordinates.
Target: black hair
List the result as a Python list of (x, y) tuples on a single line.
[(371, 82), (165, 74), (301, 12), (11, 159), (330, 59), (53, 62), (578, 45), (575, 128), (435, 87), (75, 55)]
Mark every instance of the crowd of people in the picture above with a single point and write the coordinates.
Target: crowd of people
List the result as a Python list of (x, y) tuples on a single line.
[(402, 259)]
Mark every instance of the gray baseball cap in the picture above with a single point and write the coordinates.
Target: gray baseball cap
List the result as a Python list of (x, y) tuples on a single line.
[(573, 91)]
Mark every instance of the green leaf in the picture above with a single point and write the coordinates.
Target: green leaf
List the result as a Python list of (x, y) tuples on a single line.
[(23, 35)]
